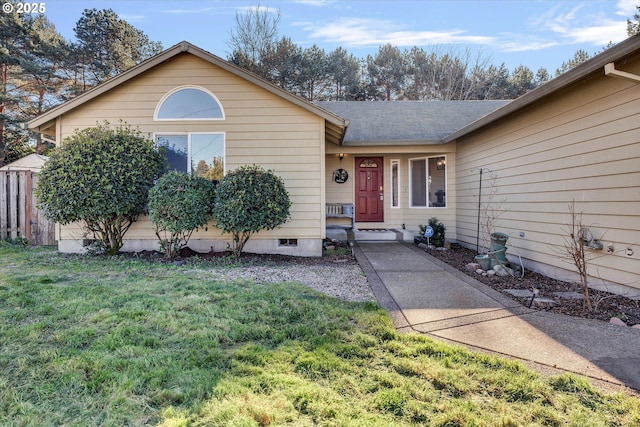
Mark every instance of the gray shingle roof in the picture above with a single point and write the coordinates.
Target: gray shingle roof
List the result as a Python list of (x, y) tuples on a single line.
[(406, 122)]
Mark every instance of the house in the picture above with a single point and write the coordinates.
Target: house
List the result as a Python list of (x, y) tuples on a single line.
[(574, 139), (400, 163), (201, 107), (32, 162)]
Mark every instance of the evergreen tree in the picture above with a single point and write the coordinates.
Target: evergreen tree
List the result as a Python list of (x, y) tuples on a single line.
[(108, 45), (314, 73), (342, 72), (521, 81), (282, 64), (14, 47), (579, 57), (42, 79), (633, 27), (387, 70)]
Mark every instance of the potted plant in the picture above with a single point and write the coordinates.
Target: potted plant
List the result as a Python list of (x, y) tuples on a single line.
[(484, 260)]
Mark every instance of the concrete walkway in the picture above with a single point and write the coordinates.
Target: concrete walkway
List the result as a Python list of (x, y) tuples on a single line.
[(424, 295)]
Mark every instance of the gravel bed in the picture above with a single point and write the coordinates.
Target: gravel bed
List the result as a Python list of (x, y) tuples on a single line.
[(344, 281)]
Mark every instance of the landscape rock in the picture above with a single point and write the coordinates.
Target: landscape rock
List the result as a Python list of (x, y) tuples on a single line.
[(617, 321), (503, 271), (491, 273), (543, 302), (472, 266), (423, 246), (330, 247), (636, 326), (479, 271)]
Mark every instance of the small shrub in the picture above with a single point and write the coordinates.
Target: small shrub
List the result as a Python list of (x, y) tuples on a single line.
[(100, 176), (438, 237), (178, 204), (250, 199)]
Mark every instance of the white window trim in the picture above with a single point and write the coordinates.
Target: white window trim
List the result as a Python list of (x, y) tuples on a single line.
[(397, 189), (179, 88), (188, 134), (446, 183), (411, 205)]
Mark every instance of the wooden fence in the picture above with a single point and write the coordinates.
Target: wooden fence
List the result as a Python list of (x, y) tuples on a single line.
[(19, 216)]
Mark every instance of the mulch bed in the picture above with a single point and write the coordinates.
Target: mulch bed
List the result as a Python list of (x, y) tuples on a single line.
[(606, 305)]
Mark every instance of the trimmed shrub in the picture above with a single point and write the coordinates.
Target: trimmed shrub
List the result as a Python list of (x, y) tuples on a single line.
[(248, 200), (100, 176), (178, 204)]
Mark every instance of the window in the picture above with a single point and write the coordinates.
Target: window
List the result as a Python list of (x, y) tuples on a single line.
[(201, 154), (189, 103), (428, 182), (368, 163), (395, 183)]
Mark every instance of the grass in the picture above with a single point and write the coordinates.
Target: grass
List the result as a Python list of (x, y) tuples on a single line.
[(115, 341)]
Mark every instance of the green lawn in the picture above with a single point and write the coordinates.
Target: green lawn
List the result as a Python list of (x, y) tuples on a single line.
[(97, 341)]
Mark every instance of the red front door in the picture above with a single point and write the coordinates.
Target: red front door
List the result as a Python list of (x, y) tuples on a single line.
[(369, 199)]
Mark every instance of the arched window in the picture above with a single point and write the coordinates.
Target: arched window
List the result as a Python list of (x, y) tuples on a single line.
[(189, 103)]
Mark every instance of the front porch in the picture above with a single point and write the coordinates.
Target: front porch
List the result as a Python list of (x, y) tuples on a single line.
[(371, 235)]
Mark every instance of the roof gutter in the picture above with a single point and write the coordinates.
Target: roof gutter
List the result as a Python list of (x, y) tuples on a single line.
[(610, 70)]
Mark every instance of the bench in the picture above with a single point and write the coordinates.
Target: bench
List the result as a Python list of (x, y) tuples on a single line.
[(341, 210)]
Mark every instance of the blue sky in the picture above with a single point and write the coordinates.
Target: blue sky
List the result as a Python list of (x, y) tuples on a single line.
[(534, 33)]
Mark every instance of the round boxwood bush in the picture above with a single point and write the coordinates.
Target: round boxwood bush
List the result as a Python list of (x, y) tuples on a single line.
[(250, 199), (178, 204), (100, 176)]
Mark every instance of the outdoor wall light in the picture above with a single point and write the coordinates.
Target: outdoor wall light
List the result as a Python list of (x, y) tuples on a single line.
[(341, 156), (441, 163)]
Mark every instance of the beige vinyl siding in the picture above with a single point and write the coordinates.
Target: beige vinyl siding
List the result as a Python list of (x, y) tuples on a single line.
[(582, 145), (393, 217), (259, 127)]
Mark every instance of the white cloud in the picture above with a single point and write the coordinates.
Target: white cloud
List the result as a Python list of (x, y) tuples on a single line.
[(317, 3), (601, 34), (627, 8), (132, 18), (555, 20), (259, 8), (519, 43), (584, 25), (362, 32), (189, 11)]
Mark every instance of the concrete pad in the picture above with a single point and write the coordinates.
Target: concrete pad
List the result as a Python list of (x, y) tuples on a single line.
[(434, 296), (470, 318), (519, 293), (384, 246), (445, 303), (337, 234), (543, 302), (374, 235), (392, 261), (516, 337)]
